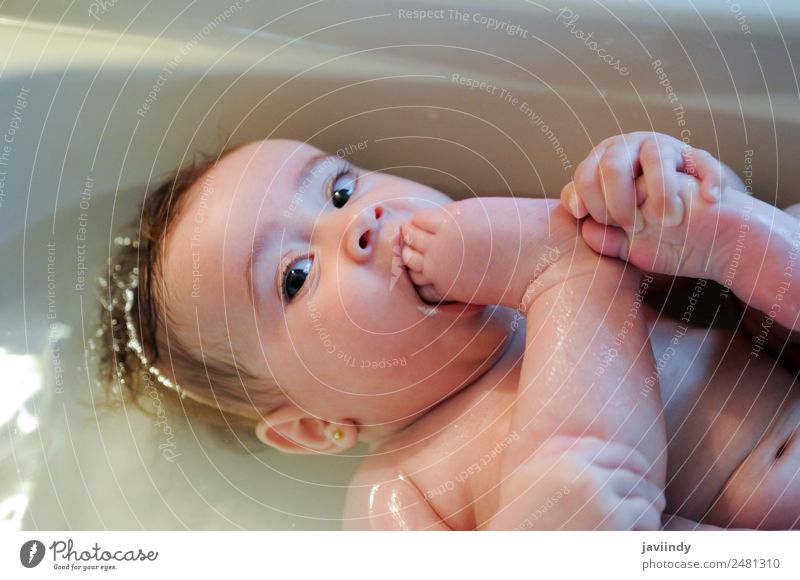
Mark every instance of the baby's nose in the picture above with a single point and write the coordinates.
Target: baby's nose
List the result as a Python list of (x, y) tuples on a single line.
[(362, 235)]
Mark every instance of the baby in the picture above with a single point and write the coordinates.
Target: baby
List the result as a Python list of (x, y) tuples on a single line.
[(320, 337)]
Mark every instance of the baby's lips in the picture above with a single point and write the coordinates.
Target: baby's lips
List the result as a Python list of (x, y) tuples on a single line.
[(404, 239), (402, 249), (397, 245)]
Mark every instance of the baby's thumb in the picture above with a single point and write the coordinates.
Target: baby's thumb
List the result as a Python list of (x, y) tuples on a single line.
[(606, 240)]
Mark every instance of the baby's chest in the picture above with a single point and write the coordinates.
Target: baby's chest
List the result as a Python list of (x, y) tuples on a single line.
[(459, 470)]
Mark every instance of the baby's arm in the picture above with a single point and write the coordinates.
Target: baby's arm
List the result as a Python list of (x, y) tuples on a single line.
[(380, 498), (586, 361), (579, 483), (586, 356), (746, 245), (588, 474)]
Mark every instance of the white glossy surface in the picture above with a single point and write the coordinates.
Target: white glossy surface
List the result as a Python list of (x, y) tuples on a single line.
[(333, 73)]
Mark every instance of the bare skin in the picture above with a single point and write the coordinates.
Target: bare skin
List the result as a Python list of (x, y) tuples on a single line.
[(706, 440), (573, 302), (722, 233), (445, 411), (731, 419)]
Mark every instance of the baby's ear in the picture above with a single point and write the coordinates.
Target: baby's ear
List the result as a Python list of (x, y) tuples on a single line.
[(292, 430)]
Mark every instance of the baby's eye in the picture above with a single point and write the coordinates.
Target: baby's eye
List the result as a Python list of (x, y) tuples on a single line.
[(342, 188), (295, 276)]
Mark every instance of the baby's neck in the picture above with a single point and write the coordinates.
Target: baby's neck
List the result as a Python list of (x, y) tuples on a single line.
[(512, 349)]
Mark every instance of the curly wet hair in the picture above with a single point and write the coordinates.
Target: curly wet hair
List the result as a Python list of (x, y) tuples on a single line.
[(216, 385)]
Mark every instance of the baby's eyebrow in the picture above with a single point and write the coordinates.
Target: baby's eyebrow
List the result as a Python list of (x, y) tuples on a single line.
[(265, 236), (259, 244), (308, 169)]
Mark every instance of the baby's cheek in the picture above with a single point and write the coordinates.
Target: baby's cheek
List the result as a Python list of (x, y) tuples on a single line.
[(372, 308), (367, 321)]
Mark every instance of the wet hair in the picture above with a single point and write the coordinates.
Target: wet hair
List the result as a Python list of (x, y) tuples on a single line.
[(217, 378)]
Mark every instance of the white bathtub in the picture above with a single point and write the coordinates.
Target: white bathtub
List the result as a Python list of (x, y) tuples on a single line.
[(100, 101)]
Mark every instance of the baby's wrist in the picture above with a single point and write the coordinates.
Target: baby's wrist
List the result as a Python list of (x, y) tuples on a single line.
[(755, 254), (732, 179), (740, 226)]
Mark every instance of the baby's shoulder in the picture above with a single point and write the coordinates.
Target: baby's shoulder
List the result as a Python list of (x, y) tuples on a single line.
[(425, 477), (385, 493)]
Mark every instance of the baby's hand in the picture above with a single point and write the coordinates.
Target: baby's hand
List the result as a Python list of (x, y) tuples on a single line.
[(580, 484), (660, 199), (603, 186)]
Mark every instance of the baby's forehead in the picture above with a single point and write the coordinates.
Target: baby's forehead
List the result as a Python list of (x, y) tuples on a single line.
[(243, 193), (251, 182), (248, 189), (270, 158)]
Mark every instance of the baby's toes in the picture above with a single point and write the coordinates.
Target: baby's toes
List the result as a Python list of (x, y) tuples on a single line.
[(418, 239), (419, 279), (414, 263), (413, 259)]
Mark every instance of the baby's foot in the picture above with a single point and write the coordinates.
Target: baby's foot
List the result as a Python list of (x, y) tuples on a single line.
[(487, 250)]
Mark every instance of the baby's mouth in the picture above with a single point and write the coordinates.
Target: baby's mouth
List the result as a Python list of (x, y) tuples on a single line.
[(427, 294)]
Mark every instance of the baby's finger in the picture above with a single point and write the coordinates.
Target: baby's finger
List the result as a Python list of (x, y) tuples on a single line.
[(648, 518), (659, 163), (413, 260), (418, 239), (607, 240), (689, 187), (632, 485), (572, 202), (618, 170), (621, 455), (612, 455), (707, 169), (586, 183)]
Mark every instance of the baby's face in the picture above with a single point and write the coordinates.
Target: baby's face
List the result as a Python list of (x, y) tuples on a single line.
[(288, 257)]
